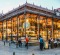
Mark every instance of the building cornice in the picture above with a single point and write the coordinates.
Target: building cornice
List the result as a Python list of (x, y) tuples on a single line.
[(18, 11)]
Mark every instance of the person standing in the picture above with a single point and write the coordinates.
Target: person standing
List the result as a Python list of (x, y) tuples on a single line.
[(55, 43), (41, 43), (19, 42), (52, 43), (49, 43), (27, 40)]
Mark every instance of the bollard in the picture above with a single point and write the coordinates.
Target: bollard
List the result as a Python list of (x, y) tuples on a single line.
[(56, 54), (13, 53), (16, 44), (9, 44), (4, 43), (33, 54)]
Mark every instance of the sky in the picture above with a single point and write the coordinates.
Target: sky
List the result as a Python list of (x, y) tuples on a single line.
[(8, 5)]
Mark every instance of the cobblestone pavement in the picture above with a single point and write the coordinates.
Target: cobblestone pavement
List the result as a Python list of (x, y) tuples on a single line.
[(8, 50)]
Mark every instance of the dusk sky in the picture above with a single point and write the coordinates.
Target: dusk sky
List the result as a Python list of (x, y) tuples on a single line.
[(7, 5)]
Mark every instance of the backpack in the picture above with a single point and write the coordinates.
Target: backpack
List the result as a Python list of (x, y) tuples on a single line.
[(41, 40)]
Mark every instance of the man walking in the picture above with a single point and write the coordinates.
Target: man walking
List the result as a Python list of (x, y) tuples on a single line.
[(41, 43)]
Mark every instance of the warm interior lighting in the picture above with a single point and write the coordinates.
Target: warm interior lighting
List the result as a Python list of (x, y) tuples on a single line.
[(58, 25), (26, 20)]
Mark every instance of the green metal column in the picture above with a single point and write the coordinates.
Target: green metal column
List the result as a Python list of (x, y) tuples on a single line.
[(52, 27), (38, 26), (6, 31), (17, 28), (25, 21), (11, 31), (47, 27), (2, 30)]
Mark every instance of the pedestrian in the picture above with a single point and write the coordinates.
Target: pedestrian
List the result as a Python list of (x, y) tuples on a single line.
[(20, 42), (41, 43), (16, 44), (49, 43), (55, 43), (27, 40), (52, 43)]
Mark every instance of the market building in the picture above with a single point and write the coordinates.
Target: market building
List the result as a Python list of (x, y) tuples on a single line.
[(30, 20)]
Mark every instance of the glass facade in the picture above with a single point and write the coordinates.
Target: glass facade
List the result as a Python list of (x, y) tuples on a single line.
[(9, 28), (1, 32), (30, 24)]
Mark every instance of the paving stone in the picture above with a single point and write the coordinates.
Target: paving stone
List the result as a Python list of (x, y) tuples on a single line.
[(8, 50)]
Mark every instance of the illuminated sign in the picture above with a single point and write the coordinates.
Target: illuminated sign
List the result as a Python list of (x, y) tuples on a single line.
[(26, 25)]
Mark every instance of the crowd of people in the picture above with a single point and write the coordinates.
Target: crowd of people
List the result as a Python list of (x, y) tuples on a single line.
[(52, 43), (19, 42)]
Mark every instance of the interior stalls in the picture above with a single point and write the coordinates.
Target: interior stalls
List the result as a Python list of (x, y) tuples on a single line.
[(45, 27), (31, 25), (56, 31)]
